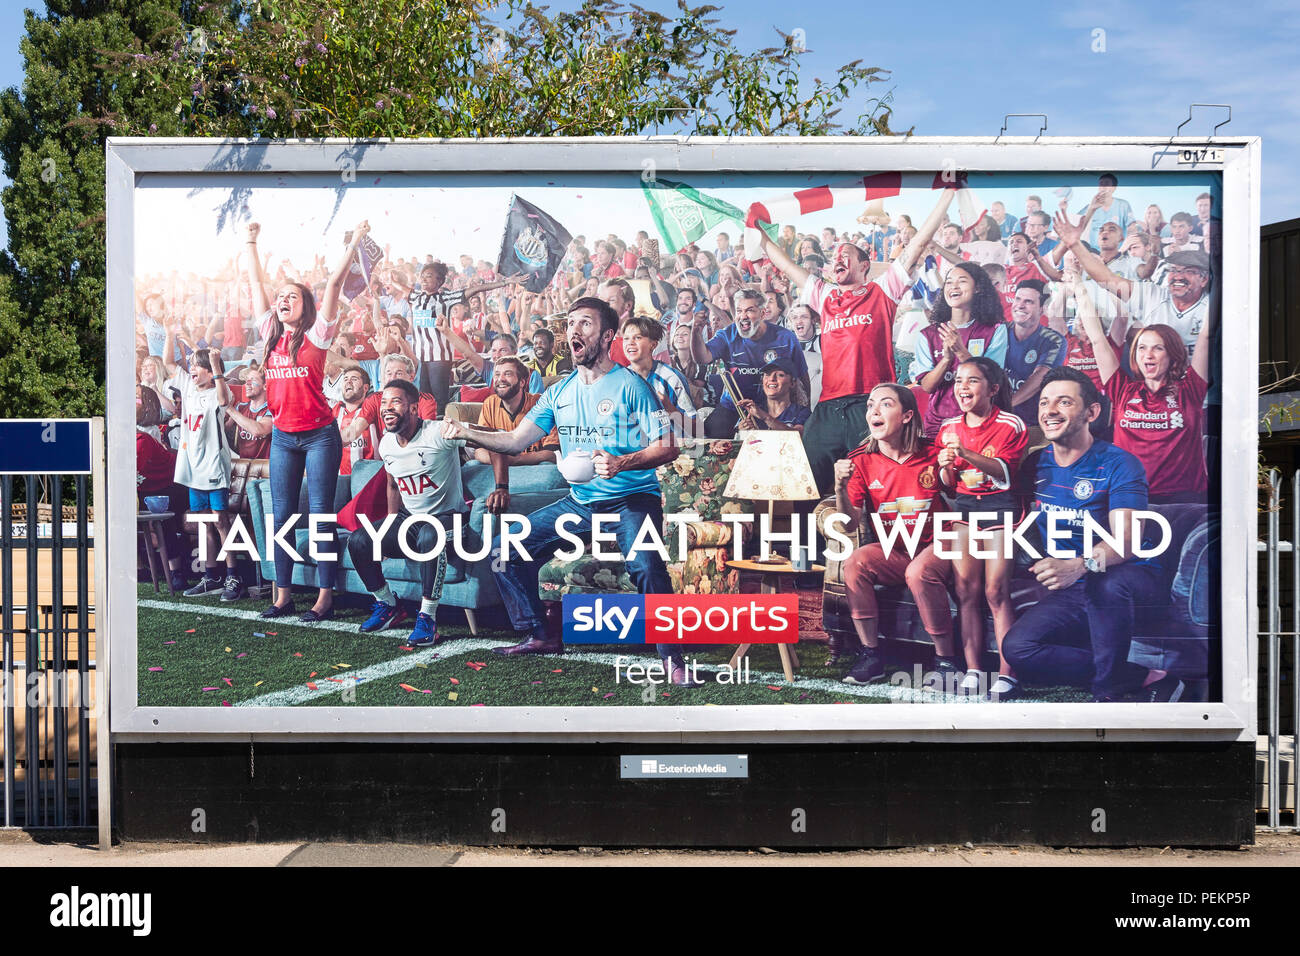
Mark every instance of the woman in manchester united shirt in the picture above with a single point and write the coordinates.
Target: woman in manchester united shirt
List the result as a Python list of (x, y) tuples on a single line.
[(893, 473), (304, 437), (1159, 417)]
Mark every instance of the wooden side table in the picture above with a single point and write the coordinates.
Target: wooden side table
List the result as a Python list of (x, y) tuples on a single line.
[(150, 524), (770, 583)]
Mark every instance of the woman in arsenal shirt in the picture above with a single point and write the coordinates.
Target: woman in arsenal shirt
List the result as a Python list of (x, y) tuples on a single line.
[(893, 474), (1159, 416), (305, 439)]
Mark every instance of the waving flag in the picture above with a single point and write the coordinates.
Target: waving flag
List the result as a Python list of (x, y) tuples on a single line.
[(371, 501), (683, 214), (870, 190), (363, 264), (533, 246)]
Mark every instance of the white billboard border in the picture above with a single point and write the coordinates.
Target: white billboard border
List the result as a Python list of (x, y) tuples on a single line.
[(1233, 719)]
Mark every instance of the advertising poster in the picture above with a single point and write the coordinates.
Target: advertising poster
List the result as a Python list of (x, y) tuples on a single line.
[(650, 442)]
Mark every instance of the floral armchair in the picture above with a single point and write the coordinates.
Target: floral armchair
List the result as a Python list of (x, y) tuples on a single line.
[(694, 482)]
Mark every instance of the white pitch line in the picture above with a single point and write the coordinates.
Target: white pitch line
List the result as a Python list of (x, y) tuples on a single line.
[(398, 665), (234, 612)]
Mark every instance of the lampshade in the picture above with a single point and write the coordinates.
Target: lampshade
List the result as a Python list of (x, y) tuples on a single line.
[(771, 466)]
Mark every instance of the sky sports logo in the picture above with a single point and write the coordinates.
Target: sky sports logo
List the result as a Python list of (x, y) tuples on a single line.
[(681, 618)]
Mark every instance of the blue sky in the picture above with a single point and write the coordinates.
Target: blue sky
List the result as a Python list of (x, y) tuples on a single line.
[(957, 73)]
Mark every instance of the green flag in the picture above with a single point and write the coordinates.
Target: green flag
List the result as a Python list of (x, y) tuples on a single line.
[(683, 214)]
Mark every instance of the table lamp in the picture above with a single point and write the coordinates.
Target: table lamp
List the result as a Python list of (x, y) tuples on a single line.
[(772, 466)]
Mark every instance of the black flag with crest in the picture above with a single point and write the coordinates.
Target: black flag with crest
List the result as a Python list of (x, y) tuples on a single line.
[(533, 246)]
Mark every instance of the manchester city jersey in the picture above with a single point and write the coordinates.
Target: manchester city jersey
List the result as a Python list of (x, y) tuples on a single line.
[(1105, 479), (618, 413)]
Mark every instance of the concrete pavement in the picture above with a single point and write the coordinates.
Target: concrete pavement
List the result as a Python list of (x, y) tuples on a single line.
[(18, 848)]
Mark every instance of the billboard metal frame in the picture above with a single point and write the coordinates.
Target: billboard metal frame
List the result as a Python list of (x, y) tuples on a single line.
[(133, 161)]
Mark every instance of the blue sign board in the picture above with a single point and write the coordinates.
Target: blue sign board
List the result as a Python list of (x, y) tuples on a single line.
[(51, 447)]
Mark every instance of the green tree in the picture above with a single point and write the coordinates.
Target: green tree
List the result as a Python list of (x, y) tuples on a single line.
[(349, 68)]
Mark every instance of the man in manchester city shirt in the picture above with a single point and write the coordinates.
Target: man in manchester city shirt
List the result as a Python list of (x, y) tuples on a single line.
[(604, 411)]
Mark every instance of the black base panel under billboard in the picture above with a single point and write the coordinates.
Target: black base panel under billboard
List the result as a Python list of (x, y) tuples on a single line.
[(1103, 794)]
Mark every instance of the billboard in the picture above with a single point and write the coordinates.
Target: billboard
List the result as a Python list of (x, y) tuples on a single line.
[(647, 437)]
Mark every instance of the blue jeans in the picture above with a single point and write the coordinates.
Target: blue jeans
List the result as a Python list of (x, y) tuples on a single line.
[(517, 578), (318, 453), (1080, 636)]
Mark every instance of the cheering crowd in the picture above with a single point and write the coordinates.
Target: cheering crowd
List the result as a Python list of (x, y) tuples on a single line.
[(1054, 362)]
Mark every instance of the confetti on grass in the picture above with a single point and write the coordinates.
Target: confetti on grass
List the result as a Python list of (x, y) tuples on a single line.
[(244, 654), (166, 643), (229, 682), (225, 703), (609, 695), (408, 688), (155, 668), (452, 696), (206, 689), (190, 631), (258, 634), (311, 686), (453, 680), (772, 687)]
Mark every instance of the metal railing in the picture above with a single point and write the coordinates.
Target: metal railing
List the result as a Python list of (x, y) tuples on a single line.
[(53, 704), (1275, 546)]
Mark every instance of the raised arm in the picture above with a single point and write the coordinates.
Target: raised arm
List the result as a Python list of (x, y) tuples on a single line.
[(459, 343), (796, 273), (1072, 236), (916, 248), (256, 277), (329, 304), (1048, 268), (1201, 354), (1086, 313)]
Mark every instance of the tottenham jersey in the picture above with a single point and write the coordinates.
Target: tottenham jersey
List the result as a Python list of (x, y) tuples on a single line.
[(426, 469), (203, 456)]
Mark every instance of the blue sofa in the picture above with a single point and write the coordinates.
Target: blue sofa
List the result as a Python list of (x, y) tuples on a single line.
[(468, 586)]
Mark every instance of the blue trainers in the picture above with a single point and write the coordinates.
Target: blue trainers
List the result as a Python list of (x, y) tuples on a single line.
[(425, 633), (382, 617)]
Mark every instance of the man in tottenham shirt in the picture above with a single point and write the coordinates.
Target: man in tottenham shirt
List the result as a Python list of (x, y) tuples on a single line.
[(423, 479), (203, 464), (857, 319), (430, 304)]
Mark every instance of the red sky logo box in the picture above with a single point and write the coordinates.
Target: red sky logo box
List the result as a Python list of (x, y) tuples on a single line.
[(681, 618)]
